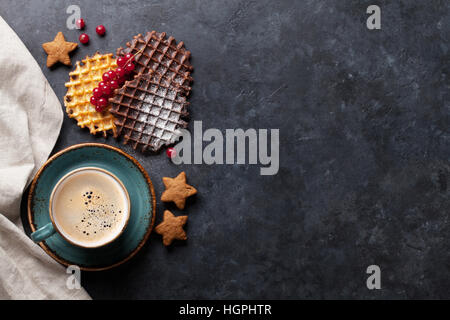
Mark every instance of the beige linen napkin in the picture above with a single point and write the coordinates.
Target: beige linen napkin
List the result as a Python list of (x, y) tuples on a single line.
[(30, 121)]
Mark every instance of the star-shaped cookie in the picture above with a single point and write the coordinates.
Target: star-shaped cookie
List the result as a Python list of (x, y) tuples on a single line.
[(171, 228), (58, 50), (177, 190)]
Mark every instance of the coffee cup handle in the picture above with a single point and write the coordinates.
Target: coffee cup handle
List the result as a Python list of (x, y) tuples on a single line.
[(43, 233)]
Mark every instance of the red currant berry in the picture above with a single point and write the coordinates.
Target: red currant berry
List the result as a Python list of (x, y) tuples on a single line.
[(84, 38), (100, 30), (121, 62), (99, 108), (94, 100), (102, 83), (112, 75), (97, 93), (121, 80), (106, 90), (102, 102), (129, 67), (80, 23), (171, 152), (113, 84), (129, 57), (106, 77), (120, 72)]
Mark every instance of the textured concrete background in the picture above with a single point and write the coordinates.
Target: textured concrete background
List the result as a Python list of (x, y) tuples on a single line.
[(365, 145)]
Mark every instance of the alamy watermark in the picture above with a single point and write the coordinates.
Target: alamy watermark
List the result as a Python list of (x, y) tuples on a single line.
[(374, 20), (75, 14), (235, 147), (374, 280), (74, 280)]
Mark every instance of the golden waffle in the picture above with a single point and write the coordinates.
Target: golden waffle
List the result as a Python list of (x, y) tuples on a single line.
[(83, 80), (149, 112), (156, 52)]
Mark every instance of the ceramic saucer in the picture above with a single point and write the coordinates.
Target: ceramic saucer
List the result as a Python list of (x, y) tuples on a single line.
[(137, 183)]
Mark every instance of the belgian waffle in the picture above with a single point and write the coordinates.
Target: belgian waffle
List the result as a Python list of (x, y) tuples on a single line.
[(83, 80), (162, 55), (149, 111)]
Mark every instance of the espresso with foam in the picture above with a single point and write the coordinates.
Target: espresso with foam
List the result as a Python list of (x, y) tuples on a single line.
[(90, 207)]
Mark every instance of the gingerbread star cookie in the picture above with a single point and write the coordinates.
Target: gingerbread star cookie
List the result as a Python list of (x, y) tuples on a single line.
[(177, 190), (58, 50), (171, 228)]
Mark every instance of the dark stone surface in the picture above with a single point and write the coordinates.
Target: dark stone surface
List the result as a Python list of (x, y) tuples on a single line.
[(364, 156)]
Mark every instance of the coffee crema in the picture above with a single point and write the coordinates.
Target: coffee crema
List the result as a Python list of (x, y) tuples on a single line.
[(90, 207)]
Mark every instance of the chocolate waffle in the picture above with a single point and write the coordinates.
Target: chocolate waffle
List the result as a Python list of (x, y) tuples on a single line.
[(162, 55), (149, 112)]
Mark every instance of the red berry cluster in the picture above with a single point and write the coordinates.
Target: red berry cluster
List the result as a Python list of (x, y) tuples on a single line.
[(84, 38), (112, 80)]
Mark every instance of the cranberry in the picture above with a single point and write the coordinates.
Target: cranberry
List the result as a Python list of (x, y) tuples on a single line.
[(100, 30), (84, 38), (80, 24), (171, 152)]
